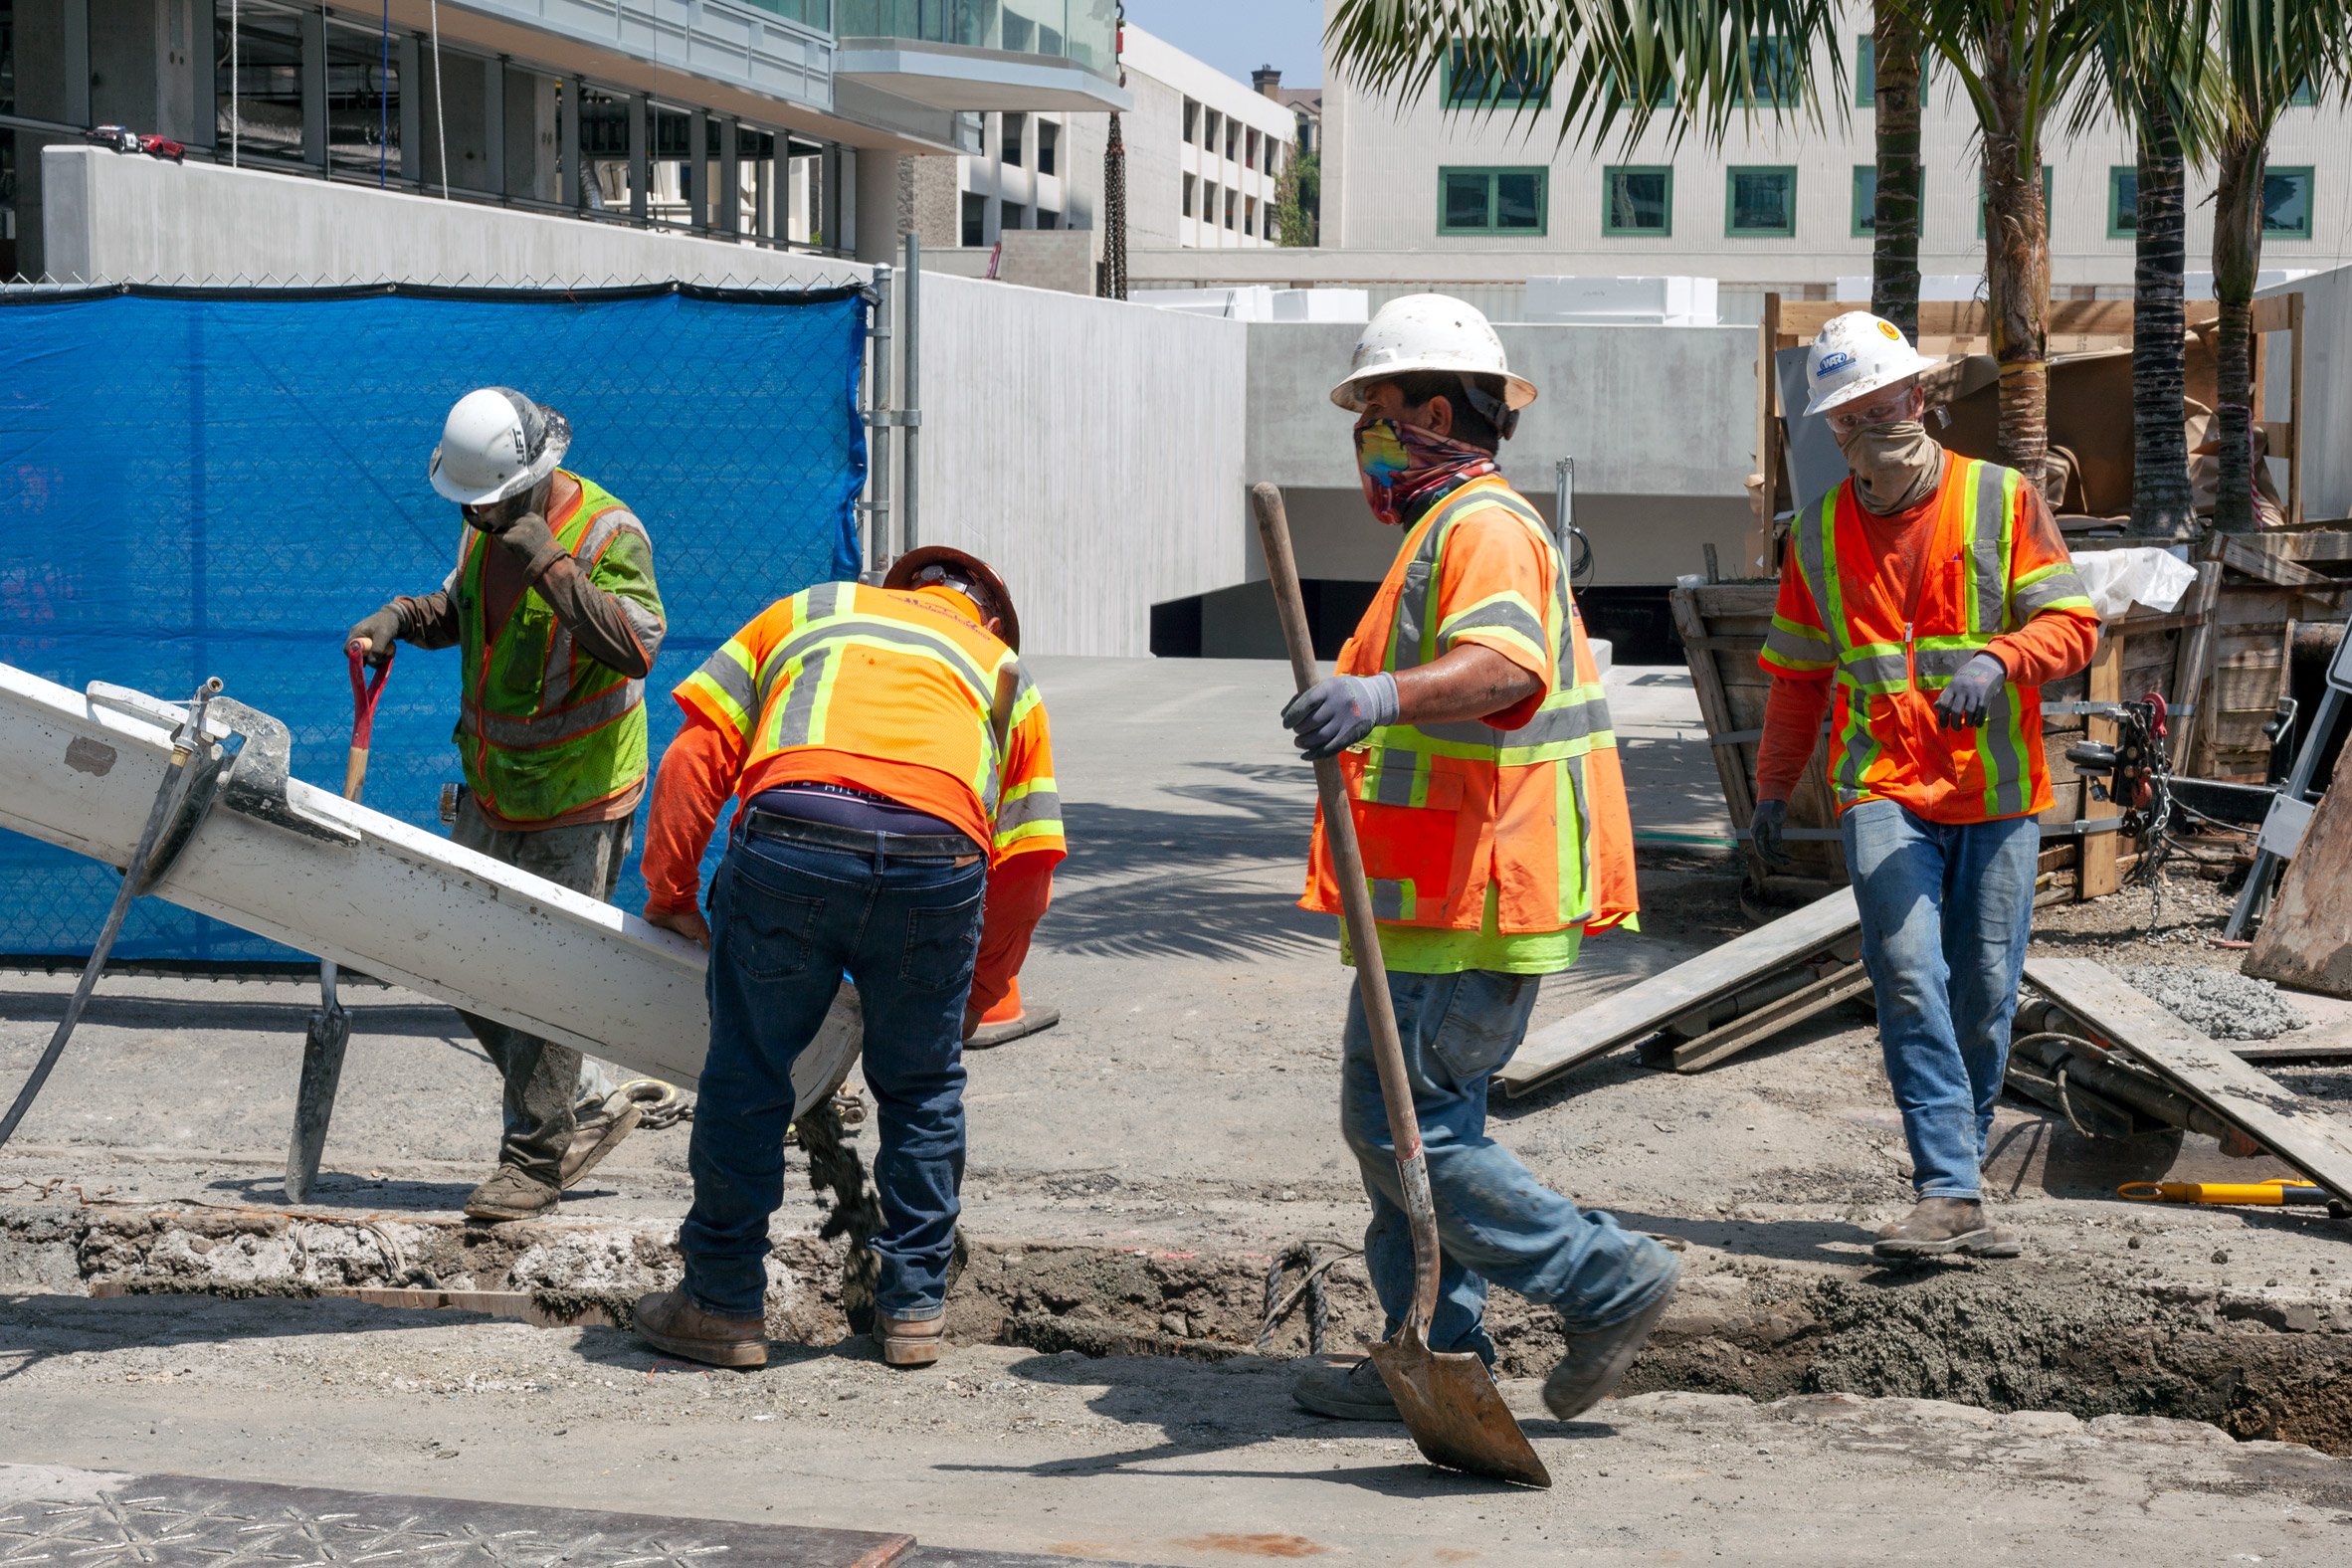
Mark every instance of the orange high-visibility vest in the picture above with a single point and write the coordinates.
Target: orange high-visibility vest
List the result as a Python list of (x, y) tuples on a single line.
[(861, 672), (1443, 809), (1985, 576)]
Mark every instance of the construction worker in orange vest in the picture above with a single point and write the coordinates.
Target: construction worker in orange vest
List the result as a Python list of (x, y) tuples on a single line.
[(1923, 602), (1476, 745), (895, 776), (554, 612)]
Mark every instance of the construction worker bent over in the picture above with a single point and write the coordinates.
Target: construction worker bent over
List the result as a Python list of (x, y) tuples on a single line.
[(553, 606), (1475, 749), (893, 761), (1923, 602)]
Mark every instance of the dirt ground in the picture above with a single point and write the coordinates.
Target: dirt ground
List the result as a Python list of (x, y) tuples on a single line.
[(2145, 1385)]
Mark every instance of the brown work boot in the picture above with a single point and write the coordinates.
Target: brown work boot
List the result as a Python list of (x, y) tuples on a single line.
[(1937, 1226), (595, 1136), (669, 1320), (911, 1342), (511, 1195)]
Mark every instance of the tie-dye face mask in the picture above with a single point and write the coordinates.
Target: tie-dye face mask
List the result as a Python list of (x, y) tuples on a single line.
[(1404, 467)]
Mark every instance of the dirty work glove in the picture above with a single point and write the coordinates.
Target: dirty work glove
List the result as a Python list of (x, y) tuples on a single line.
[(1333, 714), (1965, 700), (529, 536), (1766, 826), (378, 631)]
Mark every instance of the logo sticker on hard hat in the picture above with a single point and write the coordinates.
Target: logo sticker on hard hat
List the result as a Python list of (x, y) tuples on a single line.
[(1831, 363), (1887, 329)]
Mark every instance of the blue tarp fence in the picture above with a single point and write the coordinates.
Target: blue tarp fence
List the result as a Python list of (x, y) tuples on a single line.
[(202, 483)]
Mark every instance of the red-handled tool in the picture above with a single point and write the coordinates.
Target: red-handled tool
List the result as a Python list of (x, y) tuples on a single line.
[(330, 1026)]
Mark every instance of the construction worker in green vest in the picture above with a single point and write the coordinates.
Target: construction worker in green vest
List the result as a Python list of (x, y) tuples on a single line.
[(553, 606)]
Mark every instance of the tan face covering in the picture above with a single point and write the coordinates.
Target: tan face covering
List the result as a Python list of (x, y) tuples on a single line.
[(1895, 465)]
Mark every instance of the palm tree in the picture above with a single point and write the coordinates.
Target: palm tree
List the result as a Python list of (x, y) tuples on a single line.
[(1895, 228), (2269, 51)]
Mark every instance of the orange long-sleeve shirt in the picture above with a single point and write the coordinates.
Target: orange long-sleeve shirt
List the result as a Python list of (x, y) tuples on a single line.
[(696, 776), (2048, 647)]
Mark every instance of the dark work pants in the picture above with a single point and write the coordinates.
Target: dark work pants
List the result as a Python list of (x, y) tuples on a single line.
[(543, 1078)]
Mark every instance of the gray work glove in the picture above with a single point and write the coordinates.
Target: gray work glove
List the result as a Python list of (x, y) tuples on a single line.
[(1333, 714), (529, 537), (1965, 701), (379, 631), (1766, 826)]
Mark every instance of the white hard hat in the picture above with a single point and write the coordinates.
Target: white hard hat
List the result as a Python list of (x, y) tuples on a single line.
[(494, 444), (1428, 331), (1856, 354)]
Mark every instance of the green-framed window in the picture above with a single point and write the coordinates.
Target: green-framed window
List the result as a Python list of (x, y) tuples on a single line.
[(2049, 170), (1759, 201), (1492, 200), (1479, 76), (2123, 201), (2287, 204), (1637, 199), (1866, 199), (1773, 71), (2303, 96), (1866, 70)]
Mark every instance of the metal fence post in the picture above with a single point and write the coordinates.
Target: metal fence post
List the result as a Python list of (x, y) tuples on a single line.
[(910, 418), (878, 424)]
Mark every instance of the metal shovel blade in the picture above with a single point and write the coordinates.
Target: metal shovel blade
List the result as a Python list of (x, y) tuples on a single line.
[(314, 1099), (1456, 1413)]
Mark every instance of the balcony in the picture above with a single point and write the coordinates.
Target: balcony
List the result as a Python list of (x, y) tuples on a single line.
[(983, 55)]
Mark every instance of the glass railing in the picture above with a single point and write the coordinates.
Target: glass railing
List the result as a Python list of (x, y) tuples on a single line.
[(808, 13), (1084, 31)]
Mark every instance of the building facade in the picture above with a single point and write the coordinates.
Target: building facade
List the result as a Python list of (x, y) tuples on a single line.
[(1476, 173), (759, 121), (1204, 154)]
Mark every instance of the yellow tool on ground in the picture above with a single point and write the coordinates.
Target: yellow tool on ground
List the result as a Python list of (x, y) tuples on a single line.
[(2269, 1193)]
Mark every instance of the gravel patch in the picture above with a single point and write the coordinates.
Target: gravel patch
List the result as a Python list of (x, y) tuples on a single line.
[(2221, 1001)]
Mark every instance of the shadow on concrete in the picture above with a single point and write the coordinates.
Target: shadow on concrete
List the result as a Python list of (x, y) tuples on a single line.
[(1164, 881), (1789, 1240), (35, 1329), (254, 1016)]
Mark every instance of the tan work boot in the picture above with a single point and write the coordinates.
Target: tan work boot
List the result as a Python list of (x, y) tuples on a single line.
[(511, 1195), (910, 1342), (594, 1137), (1937, 1226), (669, 1320)]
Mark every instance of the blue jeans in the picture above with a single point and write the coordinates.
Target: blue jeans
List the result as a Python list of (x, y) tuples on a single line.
[(1946, 909), (786, 921), (1496, 1221)]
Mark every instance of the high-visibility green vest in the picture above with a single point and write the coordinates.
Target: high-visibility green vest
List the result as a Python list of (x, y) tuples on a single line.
[(545, 729)]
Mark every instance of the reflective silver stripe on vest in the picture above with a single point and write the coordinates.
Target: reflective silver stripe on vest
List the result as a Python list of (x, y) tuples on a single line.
[(547, 729), (1989, 550), (1799, 649), (726, 672), (796, 720), (1391, 900), (1875, 672), (840, 627), (2058, 587), (1039, 804), (2012, 781), (1496, 616), (1937, 665), (1405, 639)]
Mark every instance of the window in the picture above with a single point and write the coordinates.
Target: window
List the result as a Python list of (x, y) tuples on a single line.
[(1249, 158), (1866, 70), (1249, 215), (1488, 76), (2123, 201), (1491, 200), (2287, 204), (1637, 199), (1009, 217), (1759, 201), (1211, 122), (2047, 171), (1866, 198), (1773, 70), (262, 108), (1192, 122), (975, 220), (1008, 144), (1190, 182), (1233, 138), (1048, 218), (1233, 201), (1049, 139), (2303, 96)]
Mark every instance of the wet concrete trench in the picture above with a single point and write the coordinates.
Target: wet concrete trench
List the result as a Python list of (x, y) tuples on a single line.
[(2260, 1363)]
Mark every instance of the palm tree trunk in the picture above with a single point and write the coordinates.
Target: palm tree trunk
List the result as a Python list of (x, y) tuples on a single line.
[(2160, 499), (1894, 252), (2237, 262), (2017, 265)]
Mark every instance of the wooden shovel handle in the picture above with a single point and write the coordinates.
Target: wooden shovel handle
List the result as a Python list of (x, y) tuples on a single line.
[(1363, 932)]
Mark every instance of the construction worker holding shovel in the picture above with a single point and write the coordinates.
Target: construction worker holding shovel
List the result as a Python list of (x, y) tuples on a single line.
[(898, 822), (1476, 749), (554, 605), (1923, 604)]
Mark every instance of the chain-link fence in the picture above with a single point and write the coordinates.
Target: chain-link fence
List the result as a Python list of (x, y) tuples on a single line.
[(209, 482)]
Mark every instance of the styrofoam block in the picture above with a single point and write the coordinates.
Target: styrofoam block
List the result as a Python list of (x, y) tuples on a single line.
[(1321, 304), (1651, 300)]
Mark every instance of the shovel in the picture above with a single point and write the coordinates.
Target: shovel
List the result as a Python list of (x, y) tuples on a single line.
[(330, 1025), (1448, 1401)]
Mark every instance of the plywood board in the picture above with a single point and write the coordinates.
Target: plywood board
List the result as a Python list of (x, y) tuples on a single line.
[(2306, 939), (1751, 1029), (1642, 1008), (2297, 1130)]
